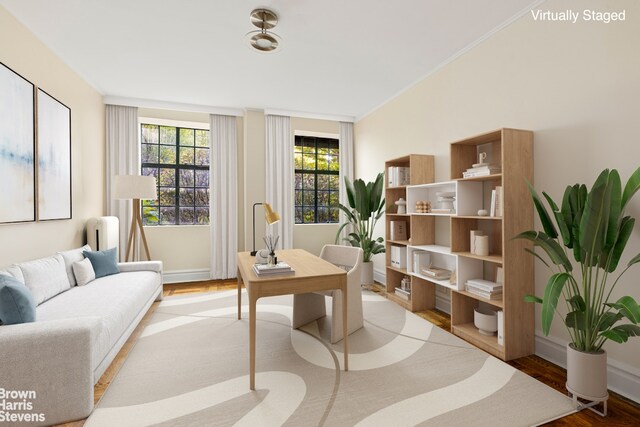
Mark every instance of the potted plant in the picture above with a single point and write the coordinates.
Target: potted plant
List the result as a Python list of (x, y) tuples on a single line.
[(592, 227), (366, 206)]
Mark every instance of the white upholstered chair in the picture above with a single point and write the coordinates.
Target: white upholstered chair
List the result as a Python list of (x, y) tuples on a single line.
[(311, 306)]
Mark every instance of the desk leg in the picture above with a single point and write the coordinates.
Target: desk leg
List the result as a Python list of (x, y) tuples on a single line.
[(239, 294), (345, 324), (252, 342)]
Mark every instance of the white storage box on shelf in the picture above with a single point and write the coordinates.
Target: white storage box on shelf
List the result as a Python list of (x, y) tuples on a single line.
[(398, 257)]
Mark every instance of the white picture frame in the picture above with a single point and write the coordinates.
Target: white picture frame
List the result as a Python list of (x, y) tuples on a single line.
[(54, 158)]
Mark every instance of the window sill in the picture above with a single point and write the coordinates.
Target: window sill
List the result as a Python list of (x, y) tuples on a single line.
[(335, 224)]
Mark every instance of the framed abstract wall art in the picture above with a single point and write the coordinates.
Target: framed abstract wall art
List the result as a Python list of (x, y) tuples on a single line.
[(17, 148), (54, 158)]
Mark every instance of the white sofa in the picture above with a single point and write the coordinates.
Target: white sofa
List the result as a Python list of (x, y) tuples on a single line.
[(76, 336)]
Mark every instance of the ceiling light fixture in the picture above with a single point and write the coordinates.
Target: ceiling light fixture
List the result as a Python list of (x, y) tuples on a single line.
[(262, 40)]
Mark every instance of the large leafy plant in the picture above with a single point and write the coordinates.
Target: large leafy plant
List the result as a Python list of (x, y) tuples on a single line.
[(366, 206), (592, 226)]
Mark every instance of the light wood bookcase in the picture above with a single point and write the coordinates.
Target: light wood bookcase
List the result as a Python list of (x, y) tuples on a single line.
[(512, 149), (421, 171)]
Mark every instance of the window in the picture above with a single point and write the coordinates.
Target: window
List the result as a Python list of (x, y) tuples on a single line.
[(179, 159), (317, 179)]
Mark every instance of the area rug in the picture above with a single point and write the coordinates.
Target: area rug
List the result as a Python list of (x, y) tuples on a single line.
[(190, 367)]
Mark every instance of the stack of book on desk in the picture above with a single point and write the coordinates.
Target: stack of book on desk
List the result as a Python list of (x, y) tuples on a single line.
[(266, 269), (436, 273), (481, 169), (484, 288)]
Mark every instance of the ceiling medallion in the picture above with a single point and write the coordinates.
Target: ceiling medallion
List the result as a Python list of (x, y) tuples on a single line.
[(263, 40)]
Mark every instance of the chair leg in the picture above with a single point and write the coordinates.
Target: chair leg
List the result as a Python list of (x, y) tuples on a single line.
[(355, 319), (307, 308)]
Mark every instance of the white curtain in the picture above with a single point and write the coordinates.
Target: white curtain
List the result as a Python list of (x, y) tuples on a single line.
[(346, 170), (224, 192), (280, 177), (123, 158)]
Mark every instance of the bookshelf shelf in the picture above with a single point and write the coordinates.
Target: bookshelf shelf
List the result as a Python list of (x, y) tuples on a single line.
[(510, 151)]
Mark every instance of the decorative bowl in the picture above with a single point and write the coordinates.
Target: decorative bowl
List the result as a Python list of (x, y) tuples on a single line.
[(446, 194), (486, 320)]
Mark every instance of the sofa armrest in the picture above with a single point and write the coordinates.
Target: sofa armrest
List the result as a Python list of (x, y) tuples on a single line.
[(155, 266), (52, 360)]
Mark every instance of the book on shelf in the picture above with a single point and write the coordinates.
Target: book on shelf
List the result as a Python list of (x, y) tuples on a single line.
[(482, 171), (436, 273), (492, 210), (266, 269), (398, 176), (499, 201), (405, 295), (398, 230), (485, 285), (483, 294), (443, 211)]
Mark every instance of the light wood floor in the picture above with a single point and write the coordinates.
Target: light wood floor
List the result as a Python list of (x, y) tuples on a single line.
[(622, 411)]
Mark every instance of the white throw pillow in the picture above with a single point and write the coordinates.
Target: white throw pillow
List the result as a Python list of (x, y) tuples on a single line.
[(71, 257), (83, 270), (45, 277), (15, 272)]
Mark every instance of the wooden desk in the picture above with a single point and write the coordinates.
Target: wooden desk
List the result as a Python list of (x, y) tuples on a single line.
[(311, 274)]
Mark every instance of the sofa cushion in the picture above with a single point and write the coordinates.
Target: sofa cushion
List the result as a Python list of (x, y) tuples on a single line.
[(16, 302), (116, 299), (83, 270), (104, 262), (45, 277), (71, 256), (13, 271)]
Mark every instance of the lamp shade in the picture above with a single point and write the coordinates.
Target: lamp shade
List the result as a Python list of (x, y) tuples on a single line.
[(270, 215), (127, 187)]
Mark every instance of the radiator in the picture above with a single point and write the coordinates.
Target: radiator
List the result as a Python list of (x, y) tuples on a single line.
[(103, 233)]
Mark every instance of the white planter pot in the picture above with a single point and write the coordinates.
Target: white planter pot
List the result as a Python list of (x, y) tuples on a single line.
[(587, 374), (367, 273)]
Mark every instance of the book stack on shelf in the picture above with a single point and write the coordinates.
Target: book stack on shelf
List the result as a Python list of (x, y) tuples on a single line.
[(436, 273), (484, 289), (404, 291), (481, 169), (266, 269), (497, 201), (398, 176)]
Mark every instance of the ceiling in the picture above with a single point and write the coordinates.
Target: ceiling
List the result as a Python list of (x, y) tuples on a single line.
[(339, 57)]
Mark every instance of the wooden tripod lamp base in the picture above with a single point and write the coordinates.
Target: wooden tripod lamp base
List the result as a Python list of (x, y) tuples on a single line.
[(136, 188), (136, 224)]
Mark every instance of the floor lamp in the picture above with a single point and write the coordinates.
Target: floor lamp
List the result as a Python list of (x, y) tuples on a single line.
[(269, 214), (135, 187)]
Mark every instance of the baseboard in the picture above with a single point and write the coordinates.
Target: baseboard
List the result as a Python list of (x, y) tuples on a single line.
[(379, 276), (177, 276), (622, 378), (443, 302)]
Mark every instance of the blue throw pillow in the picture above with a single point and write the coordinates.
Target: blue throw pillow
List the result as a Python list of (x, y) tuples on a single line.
[(16, 302), (104, 262)]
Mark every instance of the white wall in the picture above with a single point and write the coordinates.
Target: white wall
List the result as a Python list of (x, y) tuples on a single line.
[(21, 51), (576, 86)]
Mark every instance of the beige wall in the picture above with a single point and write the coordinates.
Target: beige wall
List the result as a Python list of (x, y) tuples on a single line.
[(575, 85), (312, 237), (188, 247), (24, 53)]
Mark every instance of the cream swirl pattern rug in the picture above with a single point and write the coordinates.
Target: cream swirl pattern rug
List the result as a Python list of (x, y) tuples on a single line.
[(190, 368)]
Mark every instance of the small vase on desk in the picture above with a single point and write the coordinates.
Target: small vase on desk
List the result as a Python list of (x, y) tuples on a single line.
[(272, 259)]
